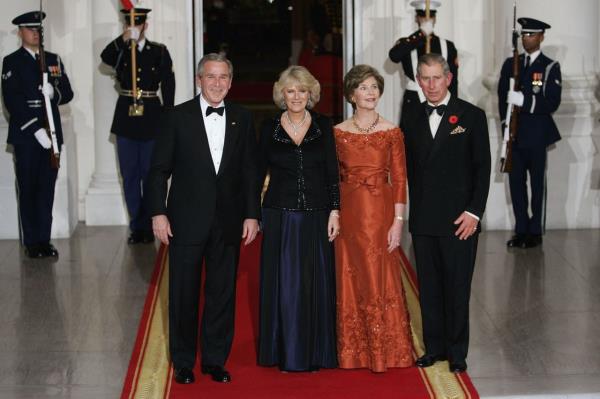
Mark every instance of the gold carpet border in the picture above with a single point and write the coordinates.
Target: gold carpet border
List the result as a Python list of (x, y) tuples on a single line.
[(153, 370), (440, 382)]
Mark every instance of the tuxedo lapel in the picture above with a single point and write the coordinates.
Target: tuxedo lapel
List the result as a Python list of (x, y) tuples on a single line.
[(424, 136), (445, 127), (231, 134), (196, 126)]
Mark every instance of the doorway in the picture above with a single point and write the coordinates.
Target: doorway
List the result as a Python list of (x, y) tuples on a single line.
[(263, 37)]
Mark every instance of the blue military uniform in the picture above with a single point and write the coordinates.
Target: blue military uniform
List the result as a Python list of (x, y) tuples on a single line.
[(136, 134), (21, 90), (540, 84), (407, 51)]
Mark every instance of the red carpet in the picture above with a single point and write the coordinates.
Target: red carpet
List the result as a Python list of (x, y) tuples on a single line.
[(149, 374)]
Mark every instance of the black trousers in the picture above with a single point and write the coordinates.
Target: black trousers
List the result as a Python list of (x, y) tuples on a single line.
[(36, 181), (532, 161), (445, 270), (185, 269)]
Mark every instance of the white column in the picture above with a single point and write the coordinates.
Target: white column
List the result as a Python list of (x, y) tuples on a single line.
[(572, 177), (170, 23), (104, 200), (377, 25)]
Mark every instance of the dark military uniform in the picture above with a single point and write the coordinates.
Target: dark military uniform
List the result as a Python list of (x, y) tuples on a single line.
[(407, 51), (540, 86), (136, 134), (21, 90)]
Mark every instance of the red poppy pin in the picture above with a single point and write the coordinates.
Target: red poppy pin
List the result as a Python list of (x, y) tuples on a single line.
[(453, 119)]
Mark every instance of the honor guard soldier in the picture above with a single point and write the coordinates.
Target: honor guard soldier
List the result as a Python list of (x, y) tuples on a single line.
[(24, 95), (407, 51), (538, 97), (141, 74)]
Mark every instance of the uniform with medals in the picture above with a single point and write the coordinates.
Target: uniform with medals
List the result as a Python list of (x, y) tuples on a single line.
[(22, 90), (538, 98), (136, 133), (407, 51)]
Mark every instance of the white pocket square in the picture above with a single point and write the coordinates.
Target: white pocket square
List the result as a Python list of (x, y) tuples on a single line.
[(458, 130)]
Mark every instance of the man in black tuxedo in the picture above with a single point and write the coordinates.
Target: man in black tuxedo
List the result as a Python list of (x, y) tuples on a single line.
[(208, 148), (448, 164)]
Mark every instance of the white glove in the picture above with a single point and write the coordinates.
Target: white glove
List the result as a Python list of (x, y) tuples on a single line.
[(427, 27), (134, 33), (48, 90), (42, 137), (515, 97)]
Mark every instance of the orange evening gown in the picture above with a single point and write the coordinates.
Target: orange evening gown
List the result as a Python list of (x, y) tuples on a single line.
[(373, 326)]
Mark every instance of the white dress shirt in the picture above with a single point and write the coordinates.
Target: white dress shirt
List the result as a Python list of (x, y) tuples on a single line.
[(141, 44), (215, 132), (31, 52), (532, 56), (435, 119)]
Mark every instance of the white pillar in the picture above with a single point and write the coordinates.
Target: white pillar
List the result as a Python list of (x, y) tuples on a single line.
[(104, 200), (571, 177)]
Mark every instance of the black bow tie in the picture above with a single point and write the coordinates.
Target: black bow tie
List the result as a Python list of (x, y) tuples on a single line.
[(218, 110), (440, 109)]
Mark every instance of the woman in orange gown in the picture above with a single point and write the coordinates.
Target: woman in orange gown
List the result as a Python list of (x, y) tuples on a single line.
[(373, 325)]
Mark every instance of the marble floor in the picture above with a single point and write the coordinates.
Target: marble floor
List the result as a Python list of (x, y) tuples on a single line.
[(67, 327)]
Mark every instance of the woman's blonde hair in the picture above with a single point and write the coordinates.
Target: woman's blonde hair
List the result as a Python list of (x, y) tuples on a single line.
[(298, 76)]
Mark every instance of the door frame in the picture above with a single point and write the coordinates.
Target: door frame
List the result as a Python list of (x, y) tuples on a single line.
[(352, 28)]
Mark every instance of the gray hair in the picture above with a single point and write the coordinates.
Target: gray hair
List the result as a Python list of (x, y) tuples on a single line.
[(214, 57), (432, 59)]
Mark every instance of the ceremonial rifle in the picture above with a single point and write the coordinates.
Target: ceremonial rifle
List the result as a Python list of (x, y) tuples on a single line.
[(512, 111), (49, 125), (135, 109)]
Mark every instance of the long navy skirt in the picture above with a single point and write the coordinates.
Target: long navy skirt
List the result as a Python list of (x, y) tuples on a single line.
[(297, 292)]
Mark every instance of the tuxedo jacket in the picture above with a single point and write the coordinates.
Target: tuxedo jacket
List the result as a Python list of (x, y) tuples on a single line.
[(199, 197), (541, 85), (449, 174)]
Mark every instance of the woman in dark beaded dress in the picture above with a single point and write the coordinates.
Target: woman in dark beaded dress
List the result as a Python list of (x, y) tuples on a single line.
[(300, 222)]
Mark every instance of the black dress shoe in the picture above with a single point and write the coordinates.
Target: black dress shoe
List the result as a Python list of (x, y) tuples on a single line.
[(458, 366), (218, 373), (34, 251), (49, 250), (184, 375), (532, 241), (135, 237), (147, 237), (428, 360), (517, 241)]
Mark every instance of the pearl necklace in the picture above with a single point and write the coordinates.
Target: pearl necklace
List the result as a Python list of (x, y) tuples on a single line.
[(295, 127), (368, 129)]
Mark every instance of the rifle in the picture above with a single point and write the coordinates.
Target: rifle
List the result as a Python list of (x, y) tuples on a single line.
[(47, 106), (512, 112), (135, 109)]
